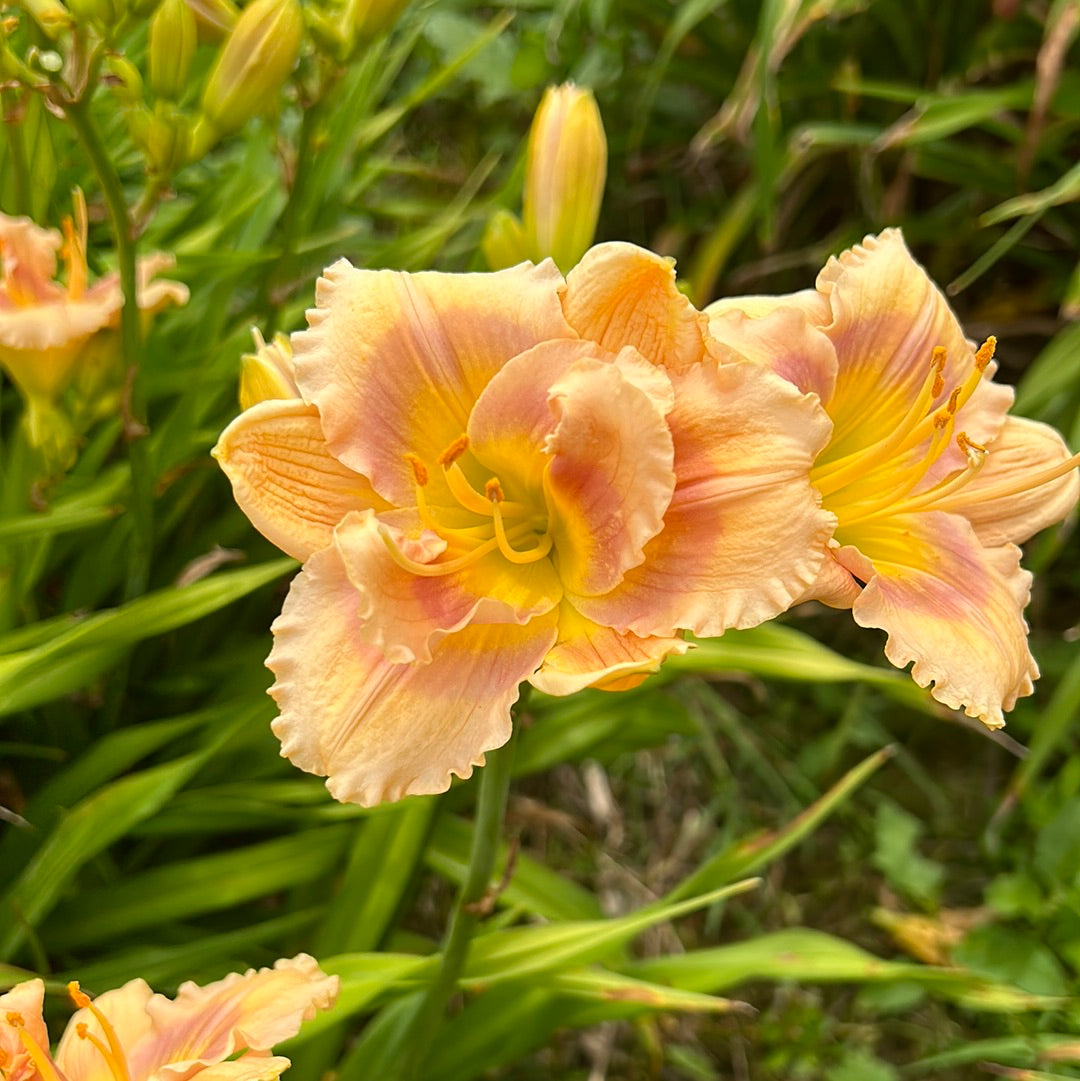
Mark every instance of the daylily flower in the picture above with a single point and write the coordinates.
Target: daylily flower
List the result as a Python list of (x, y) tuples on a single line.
[(48, 329), (223, 1032), (932, 484), (502, 477)]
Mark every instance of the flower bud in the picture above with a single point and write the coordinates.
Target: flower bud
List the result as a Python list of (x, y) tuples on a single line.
[(565, 170), (214, 18), (253, 63), (124, 79), (101, 12), (368, 19), (267, 373), (503, 243), (172, 48)]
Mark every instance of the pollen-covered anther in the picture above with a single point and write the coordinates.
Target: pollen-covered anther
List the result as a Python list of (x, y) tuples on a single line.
[(454, 451), (14, 1019), (974, 451), (493, 490), (419, 470), (985, 353), (954, 400), (937, 365)]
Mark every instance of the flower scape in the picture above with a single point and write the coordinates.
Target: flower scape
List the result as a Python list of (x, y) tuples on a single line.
[(514, 477)]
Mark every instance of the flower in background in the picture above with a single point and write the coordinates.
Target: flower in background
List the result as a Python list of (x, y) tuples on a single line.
[(224, 1030), (502, 477), (565, 169), (933, 485), (49, 330)]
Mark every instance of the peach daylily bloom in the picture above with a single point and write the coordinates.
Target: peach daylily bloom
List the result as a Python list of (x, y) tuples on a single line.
[(224, 1031), (933, 485), (46, 326), (494, 478)]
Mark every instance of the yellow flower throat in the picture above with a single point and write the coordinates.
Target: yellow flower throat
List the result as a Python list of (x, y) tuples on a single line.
[(879, 480), (502, 524)]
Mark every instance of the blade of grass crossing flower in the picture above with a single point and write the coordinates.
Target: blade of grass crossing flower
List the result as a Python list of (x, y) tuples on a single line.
[(750, 855)]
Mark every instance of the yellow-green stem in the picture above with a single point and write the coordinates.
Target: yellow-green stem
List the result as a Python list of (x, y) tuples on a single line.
[(142, 508)]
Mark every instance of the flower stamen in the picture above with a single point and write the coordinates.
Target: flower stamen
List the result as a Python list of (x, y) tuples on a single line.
[(113, 1054), (530, 555), (39, 1058)]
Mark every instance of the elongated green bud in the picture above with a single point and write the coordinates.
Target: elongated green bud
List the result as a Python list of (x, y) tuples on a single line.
[(173, 36), (253, 63)]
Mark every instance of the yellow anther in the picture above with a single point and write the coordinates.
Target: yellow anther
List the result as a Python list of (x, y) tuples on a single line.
[(941, 419), (954, 400), (454, 451), (985, 353), (419, 470), (493, 490), (937, 358), (968, 445), (13, 1018), (938, 384)]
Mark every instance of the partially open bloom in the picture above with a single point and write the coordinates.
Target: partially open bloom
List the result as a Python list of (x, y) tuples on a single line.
[(48, 329), (268, 372), (502, 477), (224, 1031), (932, 484), (565, 169)]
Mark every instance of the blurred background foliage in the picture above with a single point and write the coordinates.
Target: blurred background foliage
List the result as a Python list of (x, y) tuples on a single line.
[(915, 917)]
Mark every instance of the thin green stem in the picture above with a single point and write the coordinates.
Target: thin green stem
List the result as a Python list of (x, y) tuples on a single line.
[(20, 172), (135, 430), (491, 806)]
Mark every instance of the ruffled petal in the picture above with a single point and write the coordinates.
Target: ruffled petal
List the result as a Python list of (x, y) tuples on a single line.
[(125, 1009), (208, 1025), (23, 1001), (588, 655), (513, 418), (610, 478), (29, 261), (953, 608), (286, 480), (744, 536), (620, 294), (997, 503), (396, 361), (888, 317), (381, 731), (403, 614), (783, 337)]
